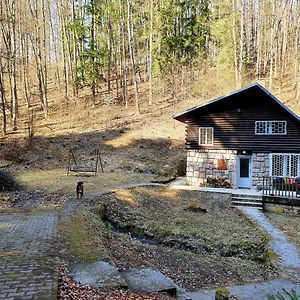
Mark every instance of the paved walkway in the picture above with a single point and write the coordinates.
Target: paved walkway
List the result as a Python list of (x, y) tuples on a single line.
[(27, 255), (286, 251), (252, 291), (288, 258), (180, 184)]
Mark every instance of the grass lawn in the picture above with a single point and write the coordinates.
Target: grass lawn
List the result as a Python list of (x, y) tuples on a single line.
[(56, 180)]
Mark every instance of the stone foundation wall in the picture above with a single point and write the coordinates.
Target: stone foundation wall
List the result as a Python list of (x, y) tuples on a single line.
[(281, 205), (260, 168), (201, 163)]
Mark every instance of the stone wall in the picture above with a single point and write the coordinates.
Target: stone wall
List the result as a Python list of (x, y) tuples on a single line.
[(201, 163), (281, 205), (260, 168)]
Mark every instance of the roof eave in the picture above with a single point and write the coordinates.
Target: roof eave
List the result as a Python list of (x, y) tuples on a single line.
[(182, 117)]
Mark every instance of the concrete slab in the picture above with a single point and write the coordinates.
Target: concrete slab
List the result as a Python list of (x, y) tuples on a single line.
[(149, 281), (98, 274), (252, 291), (181, 185)]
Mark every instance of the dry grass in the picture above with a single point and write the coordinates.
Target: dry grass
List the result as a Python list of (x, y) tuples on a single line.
[(163, 213), (289, 224), (195, 249), (57, 180)]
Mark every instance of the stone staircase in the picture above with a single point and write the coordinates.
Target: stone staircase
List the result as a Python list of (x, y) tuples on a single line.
[(247, 200)]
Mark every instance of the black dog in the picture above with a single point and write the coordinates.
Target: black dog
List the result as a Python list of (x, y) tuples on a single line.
[(79, 190)]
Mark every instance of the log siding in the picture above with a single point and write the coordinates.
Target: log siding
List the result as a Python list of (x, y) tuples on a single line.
[(233, 119), (234, 128)]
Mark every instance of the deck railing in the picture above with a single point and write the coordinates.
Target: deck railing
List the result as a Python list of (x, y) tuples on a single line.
[(281, 186)]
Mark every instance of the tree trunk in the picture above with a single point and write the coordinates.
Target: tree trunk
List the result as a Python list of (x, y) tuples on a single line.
[(150, 52), (235, 54), (2, 95), (132, 56)]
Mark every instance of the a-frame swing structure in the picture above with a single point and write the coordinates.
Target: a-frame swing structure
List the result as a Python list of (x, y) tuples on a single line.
[(73, 165)]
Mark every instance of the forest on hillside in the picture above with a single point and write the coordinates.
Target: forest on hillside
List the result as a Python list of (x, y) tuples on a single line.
[(133, 52)]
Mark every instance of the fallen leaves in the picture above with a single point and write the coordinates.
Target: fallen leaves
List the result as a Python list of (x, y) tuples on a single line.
[(70, 290)]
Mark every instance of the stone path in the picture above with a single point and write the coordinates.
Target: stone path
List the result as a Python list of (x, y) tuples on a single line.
[(288, 258), (27, 255), (286, 251), (253, 291)]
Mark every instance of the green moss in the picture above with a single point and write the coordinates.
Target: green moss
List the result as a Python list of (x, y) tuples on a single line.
[(223, 292), (102, 210), (12, 276), (270, 256), (83, 236), (279, 210)]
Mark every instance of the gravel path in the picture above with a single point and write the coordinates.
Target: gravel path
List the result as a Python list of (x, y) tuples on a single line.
[(27, 255)]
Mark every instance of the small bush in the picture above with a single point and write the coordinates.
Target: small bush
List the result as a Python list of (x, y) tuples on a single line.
[(196, 208), (8, 182), (222, 293), (178, 165), (270, 256)]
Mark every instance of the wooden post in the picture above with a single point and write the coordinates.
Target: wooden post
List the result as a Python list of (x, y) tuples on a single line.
[(69, 158), (98, 159)]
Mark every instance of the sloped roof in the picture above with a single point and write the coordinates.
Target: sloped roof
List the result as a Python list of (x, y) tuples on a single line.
[(183, 116)]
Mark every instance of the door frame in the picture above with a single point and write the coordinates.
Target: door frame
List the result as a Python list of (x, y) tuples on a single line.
[(238, 178)]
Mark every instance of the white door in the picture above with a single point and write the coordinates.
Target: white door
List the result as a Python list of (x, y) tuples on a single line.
[(244, 172)]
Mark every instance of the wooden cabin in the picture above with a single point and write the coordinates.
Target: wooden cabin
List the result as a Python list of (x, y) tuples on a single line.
[(242, 137)]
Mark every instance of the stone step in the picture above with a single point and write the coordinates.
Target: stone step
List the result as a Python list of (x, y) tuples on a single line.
[(247, 203), (256, 207), (250, 203), (249, 199), (246, 196)]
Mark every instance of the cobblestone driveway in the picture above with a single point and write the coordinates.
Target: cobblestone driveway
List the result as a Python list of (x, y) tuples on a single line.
[(27, 255)]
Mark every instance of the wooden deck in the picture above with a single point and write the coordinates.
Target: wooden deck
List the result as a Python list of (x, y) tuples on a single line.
[(281, 187)]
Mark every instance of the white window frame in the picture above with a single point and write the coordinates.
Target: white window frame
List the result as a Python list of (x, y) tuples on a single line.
[(268, 126), (287, 166), (206, 135)]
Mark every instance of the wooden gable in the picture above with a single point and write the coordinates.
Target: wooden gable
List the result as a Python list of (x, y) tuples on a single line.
[(233, 119)]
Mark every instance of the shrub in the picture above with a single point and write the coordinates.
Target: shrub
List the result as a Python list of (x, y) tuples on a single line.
[(270, 256), (178, 165), (8, 182), (196, 208)]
